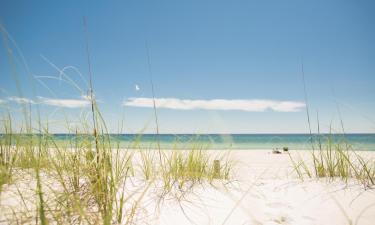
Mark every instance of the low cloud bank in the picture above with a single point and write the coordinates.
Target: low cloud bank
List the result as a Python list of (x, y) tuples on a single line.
[(65, 103), (20, 100), (250, 105)]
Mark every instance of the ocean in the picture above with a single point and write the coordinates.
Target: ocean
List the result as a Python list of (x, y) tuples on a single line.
[(237, 141)]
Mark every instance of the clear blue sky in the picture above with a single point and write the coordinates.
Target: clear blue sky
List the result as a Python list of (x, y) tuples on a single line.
[(199, 50)]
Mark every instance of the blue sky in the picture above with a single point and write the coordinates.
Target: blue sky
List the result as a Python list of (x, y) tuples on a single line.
[(199, 51)]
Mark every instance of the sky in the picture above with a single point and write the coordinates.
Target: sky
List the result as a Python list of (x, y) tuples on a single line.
[(216, 66)]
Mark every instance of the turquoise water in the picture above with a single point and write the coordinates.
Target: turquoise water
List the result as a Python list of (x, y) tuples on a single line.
[(238, 141)]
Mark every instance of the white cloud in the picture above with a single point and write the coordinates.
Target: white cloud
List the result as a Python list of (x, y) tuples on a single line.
[(20, 100), (2, 101), (67, 103), (251, 105)]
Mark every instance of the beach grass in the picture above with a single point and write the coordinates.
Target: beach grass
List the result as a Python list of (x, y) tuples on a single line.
[(335, 159), (83, 181), (332, 158)]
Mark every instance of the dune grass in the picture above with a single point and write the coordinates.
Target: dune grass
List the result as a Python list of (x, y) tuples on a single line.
[(84, 179), (333, 159), (336, 160)]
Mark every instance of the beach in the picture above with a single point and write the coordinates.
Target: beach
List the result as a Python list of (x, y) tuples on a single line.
[(263, 189), (267, 192)]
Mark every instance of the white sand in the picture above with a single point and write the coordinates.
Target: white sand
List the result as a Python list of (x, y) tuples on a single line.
[(265, 191), (268, 192)]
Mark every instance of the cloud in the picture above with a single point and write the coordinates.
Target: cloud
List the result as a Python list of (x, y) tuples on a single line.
[(251, 105), (2, 101), (67, 103), (20, 100)]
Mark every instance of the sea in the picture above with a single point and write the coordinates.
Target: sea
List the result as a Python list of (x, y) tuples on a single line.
[(364, 142)]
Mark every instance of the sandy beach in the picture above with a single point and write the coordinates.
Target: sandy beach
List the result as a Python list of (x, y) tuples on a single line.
[(267, 192), (263, 189)]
